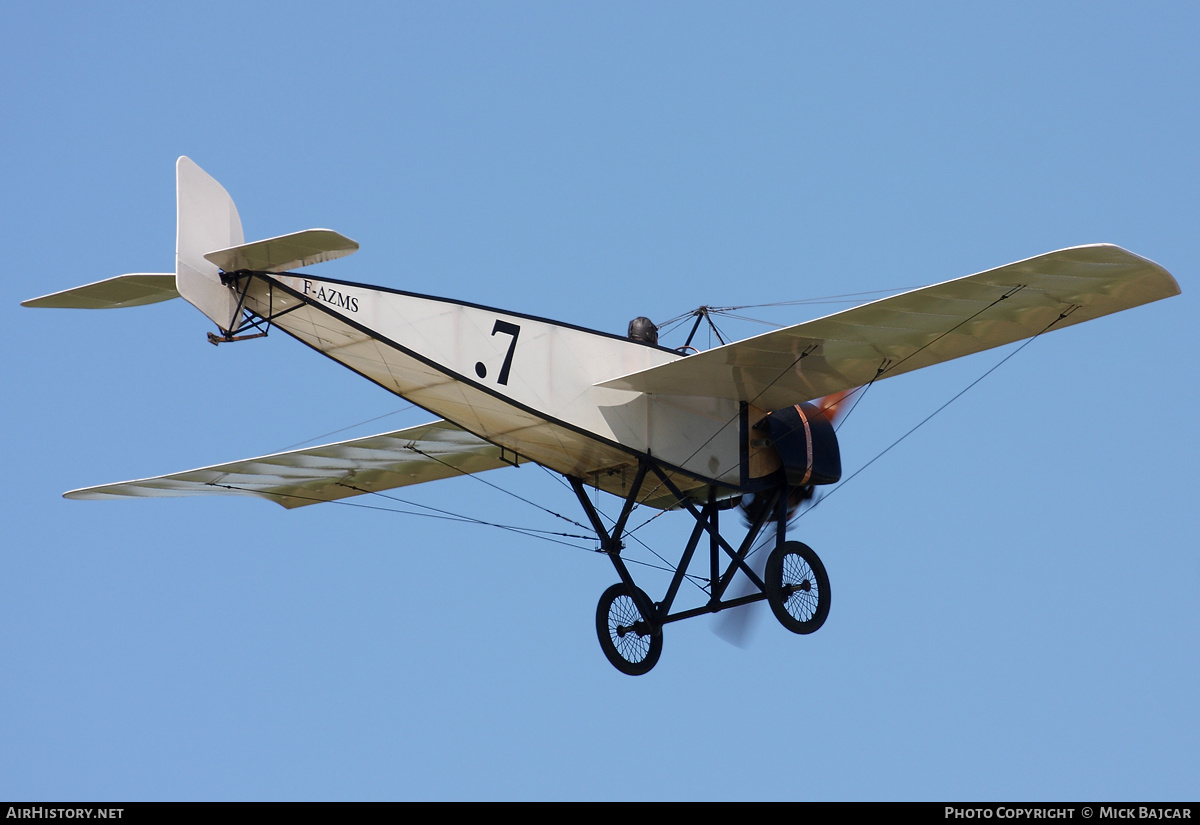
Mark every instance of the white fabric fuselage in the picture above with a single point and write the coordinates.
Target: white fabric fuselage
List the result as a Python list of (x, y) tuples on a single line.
[(524, 383)]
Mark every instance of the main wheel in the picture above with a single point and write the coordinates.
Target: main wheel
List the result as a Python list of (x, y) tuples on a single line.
[(625, 635), (797, 587)]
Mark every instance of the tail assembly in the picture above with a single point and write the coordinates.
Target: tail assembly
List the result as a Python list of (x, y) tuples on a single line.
[(208, 243)]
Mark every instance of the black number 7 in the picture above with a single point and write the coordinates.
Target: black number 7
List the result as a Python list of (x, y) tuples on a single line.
[(508, 329)]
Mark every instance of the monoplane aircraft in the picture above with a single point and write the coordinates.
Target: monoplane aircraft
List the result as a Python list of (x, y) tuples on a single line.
[(746, 422)]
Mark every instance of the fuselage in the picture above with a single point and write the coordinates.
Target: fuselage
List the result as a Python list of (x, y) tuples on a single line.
[(525, 383)]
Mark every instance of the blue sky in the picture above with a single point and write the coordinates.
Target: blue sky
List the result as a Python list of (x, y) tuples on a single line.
[(1014, 612)]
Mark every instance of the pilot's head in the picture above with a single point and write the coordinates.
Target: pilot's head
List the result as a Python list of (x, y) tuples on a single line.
[(643, 329)]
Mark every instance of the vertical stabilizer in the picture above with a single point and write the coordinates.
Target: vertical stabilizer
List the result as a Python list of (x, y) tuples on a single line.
[(207, 221)]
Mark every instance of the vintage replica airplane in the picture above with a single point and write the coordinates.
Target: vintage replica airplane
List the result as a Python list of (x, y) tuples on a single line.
[(747, 421)]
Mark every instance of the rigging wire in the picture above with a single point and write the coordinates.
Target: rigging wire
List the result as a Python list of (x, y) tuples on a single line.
[(697, 581), (628, 533), (666, 327), (750, 320), (441, 515), (844, 298), (405, 408), (720, 335), (927, 418), (647, 521), (497, 487), (886, 367), (459, 517), (556, 537), (859, 393), (529, 531)]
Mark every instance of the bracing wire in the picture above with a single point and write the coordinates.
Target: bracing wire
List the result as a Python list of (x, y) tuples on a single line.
[(886, 367), (557, 537), (844, 298), (927, 418), (667, 566), (436, 513), (405, 408), (498, 487)]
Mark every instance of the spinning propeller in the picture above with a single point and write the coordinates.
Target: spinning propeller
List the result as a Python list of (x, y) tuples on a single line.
[(734, 626)]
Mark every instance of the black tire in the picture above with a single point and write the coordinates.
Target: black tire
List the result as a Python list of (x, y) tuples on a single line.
[(625, 637), (797, 587)]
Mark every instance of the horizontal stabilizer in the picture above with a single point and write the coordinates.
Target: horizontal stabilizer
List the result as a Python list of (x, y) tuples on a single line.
[(122, 291), (312, 246), (329, 472), (913, 330)]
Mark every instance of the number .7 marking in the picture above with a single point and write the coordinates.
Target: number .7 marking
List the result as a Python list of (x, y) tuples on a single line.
[(505, 328)]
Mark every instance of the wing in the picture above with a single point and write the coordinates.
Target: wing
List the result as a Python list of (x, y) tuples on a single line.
[(914, 329), (329, 472)]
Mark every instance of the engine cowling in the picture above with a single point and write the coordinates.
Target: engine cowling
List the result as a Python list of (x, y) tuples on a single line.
[(807, 444)]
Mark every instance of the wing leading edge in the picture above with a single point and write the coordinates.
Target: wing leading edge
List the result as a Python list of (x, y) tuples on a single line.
[(915, 329), (329, 472)]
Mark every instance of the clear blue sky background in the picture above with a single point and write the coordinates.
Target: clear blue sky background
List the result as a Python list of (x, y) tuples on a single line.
[(1015, 610)]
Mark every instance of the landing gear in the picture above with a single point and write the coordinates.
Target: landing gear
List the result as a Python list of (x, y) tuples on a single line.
[(630, 625), (627, 639), (797, 587)]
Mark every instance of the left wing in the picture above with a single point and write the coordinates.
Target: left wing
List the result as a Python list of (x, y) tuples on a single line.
[(329, 472), (915, 329)]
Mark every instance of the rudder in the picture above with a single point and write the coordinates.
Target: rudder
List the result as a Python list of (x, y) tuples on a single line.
[(206, 219)]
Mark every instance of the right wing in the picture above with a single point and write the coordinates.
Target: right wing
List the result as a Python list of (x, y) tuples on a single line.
[(329, 472)]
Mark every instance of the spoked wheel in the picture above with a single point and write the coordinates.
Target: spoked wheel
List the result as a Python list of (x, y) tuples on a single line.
[(625, 636), (797, 587)]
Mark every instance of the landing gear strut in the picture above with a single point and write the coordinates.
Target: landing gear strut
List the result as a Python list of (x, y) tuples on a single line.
[(629, 625)]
